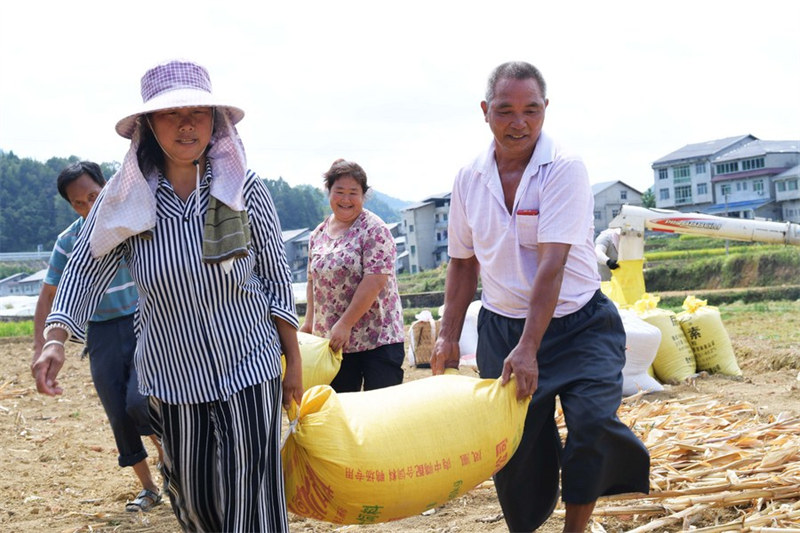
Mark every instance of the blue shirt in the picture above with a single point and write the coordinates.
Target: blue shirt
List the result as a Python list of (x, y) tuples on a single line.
[(121, 297)]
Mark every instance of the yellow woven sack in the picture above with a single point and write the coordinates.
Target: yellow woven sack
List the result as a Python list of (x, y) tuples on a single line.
[(627, 283), (386, 454), (708, 337), (320, 363), (674, 360)]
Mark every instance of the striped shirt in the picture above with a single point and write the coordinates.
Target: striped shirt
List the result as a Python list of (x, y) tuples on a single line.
[(120, 298), (204, 334)]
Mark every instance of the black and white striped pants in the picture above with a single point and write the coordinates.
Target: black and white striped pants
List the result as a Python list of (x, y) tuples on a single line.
[(222, 461)]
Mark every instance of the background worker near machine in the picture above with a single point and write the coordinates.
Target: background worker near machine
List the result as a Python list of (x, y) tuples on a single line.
[(606, 248)]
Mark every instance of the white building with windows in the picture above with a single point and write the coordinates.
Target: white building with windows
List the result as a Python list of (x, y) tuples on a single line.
[(609, 197), (787, 194), (401, 261), (735, 176), (295, 242), (683, 177), (425, 227), (23, 284)]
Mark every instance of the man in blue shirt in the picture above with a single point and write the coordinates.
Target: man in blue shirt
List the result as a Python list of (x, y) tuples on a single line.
[(111, 339)]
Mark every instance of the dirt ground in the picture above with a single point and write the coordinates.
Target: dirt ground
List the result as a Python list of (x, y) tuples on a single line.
[(58, 464)]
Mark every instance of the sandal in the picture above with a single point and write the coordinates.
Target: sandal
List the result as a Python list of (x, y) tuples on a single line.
[(146, 500)]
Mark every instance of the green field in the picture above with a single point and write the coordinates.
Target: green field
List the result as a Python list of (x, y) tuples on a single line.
[(16, 329)]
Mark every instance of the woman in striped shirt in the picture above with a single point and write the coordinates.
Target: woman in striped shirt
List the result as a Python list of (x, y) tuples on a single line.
[(203, 243)]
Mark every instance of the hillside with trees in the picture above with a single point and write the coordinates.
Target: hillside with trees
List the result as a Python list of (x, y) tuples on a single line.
[(32, 213)]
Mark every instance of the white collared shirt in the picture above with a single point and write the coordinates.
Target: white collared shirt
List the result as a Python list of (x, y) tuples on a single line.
[(553, 203)]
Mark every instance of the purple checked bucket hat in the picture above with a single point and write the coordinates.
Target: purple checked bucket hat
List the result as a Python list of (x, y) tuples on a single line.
[(175, 84)]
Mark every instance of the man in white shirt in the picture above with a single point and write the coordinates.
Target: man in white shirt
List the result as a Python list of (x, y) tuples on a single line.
[(521, 218)]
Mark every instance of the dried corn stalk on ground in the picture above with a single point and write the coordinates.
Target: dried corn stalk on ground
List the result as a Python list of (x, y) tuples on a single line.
[(713, 461)]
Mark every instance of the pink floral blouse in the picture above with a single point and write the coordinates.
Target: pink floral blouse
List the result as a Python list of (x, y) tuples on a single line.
[(337, 265)]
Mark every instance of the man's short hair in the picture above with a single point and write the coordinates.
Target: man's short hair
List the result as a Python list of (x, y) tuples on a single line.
[(517, 70), (74, 171)]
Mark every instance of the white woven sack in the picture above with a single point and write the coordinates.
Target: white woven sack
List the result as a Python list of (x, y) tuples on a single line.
[(641, 347)]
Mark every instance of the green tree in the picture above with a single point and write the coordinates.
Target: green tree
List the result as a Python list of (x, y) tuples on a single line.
[(297, 207), (381, 208), (32, 213), (648, 198)]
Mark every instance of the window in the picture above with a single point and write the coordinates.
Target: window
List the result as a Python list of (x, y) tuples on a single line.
[(411, 228), (758, 186), (663, 194), (700, 168), (598, 215), (438, 236), (681, 172), (725, 189), (436, 217), (413, 269), (791, 185), (781, 186), (683, 194), (728, 168), (614, 212), (752, 164), (702, 188), (741, 185), (413, 250), (623, 195), (662, 174), (444, 216)]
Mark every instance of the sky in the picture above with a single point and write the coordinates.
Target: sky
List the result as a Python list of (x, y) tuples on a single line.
[(396, 87)]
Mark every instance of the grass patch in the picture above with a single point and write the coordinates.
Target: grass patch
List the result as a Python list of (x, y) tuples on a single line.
[(16, 329), (759, 267), (664, 255), (426, 281)]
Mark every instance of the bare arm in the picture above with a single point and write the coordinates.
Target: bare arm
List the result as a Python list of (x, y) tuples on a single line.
[(293, 377), (308, 323), (47, 362), (546, 287), (43, 306), (47, 366), (459, 290), (366, 292)]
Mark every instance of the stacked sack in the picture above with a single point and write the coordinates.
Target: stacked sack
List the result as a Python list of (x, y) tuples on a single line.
[(711, 345), (674, 361), (385, 454), (691, 341), (641, 346)]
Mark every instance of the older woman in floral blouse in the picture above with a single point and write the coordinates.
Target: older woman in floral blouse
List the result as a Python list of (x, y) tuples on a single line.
[(352, 289)]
